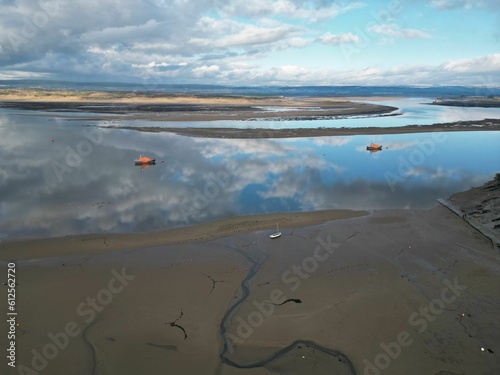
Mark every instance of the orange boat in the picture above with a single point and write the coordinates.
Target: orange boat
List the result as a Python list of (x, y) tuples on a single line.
[(144, 160), (374, 147)]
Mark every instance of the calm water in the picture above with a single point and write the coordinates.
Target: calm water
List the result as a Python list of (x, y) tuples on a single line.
[(85, 181)]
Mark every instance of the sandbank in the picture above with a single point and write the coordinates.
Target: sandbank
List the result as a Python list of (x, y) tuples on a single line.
[(89, 244), (258, 133), (157, 106)]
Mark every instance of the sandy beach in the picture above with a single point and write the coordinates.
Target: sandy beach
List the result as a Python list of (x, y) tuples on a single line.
[(348, 292)]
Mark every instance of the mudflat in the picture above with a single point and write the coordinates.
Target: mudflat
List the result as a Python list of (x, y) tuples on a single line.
[(345, 292)]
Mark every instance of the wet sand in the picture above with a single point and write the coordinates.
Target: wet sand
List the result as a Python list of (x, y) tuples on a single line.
[(326, 297), (91, 244), (482, 203), (469, 101)]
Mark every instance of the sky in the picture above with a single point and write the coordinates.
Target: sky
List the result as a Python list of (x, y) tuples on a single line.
[(253, 42)]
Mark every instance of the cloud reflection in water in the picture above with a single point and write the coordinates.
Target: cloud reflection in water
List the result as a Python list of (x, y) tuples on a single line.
[(107, 193)]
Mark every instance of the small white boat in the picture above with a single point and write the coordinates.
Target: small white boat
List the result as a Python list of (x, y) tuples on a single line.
[(277, 234)]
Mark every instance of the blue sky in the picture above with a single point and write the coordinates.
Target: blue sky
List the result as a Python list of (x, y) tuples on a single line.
[(253, 42)]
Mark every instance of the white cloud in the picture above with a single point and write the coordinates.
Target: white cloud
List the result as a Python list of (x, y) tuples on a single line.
[(19, 74), (229, 40), (465, 4), (312, 11), (276, 76), (482, 71), (113, 35), (395, 31), (249, 35), (206, 70), (450, 4), (298, 42), (396, 146), (154, 47), (336, 39), (291, 70), (488, 63), (332, 141)]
